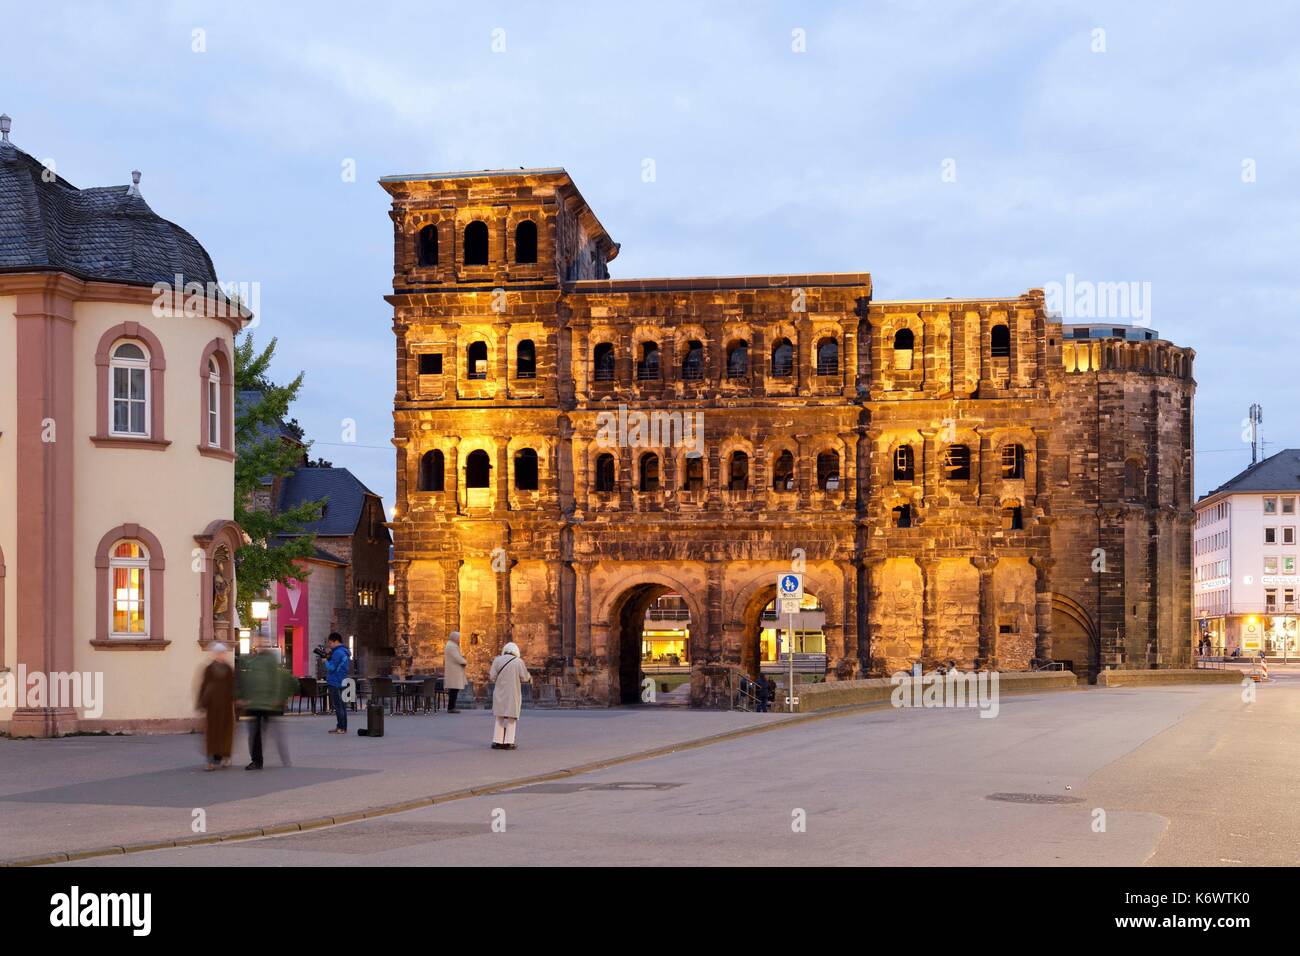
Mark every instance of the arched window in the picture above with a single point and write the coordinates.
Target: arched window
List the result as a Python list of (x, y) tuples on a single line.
[(214, 404), (476, 243), (648, 368), (956, 463), (526, 242), (602, 360), (828, 357), (782, 359), (129, 378), (605, 474), (1000, 341), (1013, 461), (738, 359), (694, 479), (649, 472), (738, 471), (478, 470), (1013, 518), (828, 471), (783, 473), (427, 246), (693, 363), (128, 564), (903, 516), (526, 470), (431, 471), (476, 360), (904, 463), (1134, 480), (526, 359), (903, 344)]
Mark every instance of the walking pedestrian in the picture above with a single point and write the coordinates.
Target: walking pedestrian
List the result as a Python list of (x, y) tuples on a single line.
[(336, 672), (264, 686), (217, 701), (453, 670), (509, 672)]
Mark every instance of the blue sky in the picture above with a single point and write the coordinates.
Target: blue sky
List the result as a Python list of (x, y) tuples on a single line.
[(1124, 165)]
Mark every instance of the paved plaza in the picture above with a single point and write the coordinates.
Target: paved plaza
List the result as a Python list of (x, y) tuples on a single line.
[(1184, 775)]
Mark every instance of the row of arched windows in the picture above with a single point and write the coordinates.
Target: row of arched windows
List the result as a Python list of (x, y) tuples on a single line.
[(475, 244), (478, 470), (956, 463), (604, 359)]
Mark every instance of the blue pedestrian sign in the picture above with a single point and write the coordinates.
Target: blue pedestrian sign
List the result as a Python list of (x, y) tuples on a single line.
[(790, 585)]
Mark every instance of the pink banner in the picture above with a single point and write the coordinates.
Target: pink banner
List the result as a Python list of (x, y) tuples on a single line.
[(293, 613)]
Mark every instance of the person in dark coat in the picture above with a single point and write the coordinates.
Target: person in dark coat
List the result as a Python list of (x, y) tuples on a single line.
[(264, 686), (217, 701)]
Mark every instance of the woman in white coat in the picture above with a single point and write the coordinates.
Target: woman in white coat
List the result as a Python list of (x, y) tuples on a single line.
[(453, 670), (510, 673)]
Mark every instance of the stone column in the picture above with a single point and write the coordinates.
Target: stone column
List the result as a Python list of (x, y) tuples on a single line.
[(582, 611), (582, 473), (848, 468), (929, 465), (450, 594), (988, 627), (848, 664), (929, 609), (986, 355), (872, 649), (1043, 608), (626, 478), (988, 473), (1041, 492), (805, 470), (714, 640), (451, 477), (44, 493), (503, 477), (848, 361)]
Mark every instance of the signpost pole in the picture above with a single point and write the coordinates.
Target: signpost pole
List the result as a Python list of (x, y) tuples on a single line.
[(790, 653)]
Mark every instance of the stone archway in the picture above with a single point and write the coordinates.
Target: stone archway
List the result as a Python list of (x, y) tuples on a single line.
[(1075, 640), (622, 616)]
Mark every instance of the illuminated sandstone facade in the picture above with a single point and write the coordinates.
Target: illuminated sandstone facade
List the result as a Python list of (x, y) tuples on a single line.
[(960, 480)]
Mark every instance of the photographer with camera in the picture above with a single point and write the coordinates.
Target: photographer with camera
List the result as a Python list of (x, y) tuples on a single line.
[(337, 663)]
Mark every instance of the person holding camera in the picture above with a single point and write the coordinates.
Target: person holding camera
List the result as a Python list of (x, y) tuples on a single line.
[(337, 663)]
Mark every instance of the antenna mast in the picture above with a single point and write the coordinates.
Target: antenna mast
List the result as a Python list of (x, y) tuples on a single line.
[(1256, 419)]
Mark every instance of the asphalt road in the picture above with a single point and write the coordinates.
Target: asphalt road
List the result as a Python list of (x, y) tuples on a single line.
[(1184, 775)]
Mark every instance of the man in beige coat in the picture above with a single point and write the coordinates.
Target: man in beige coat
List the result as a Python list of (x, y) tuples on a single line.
[(453, 670), (510, 673)]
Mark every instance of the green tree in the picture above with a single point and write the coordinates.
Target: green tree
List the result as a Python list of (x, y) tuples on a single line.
[(276, 538)]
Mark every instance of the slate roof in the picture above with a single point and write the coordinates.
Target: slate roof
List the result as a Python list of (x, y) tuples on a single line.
[(107, 233), (343, 510), (1279, 472)]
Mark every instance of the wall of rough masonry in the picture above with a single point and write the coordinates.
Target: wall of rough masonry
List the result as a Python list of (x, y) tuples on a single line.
[(988, 564)]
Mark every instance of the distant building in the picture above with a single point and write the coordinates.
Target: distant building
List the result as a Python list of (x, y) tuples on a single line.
[(117, 537), (345, 587), (1246, 553)]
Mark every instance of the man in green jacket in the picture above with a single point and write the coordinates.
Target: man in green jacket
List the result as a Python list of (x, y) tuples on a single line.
[(264, 686)]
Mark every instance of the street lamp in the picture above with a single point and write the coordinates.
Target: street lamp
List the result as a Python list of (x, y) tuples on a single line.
[(244, 641)]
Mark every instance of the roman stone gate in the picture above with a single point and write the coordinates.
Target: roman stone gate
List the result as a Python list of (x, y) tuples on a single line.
[(612, 473)]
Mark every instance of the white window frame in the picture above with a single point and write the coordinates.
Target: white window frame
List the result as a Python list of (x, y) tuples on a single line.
[(116, 362), (214, 404), (142, 565)]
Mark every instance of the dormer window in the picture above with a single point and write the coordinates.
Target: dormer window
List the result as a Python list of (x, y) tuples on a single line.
[(427, 246), (526, 242), (476, 243)]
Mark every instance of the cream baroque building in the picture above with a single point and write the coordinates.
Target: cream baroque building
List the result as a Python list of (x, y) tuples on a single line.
[(116, 456)]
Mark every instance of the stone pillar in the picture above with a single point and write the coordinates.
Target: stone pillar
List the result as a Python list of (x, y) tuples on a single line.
[(451, 477), (1043, 608), (44, 494), (988, 627), (582, 611), (848, 665), (626, 478), (930, 609), (805, 470), (582, 474), (714, 609), (503, 477), (848, 468), (929, 465), (1041, 477), (988, 473), (450, 594)]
